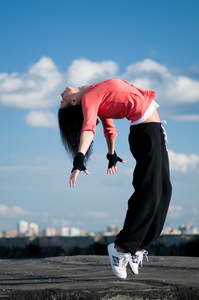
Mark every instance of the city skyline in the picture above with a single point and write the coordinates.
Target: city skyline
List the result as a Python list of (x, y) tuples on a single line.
[(48, 45), (32, 229)]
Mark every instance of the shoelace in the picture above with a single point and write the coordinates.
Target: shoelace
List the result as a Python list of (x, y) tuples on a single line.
[(144, 253), (137, 258)]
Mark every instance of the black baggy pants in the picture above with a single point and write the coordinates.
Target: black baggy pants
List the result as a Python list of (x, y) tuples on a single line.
[(148, 206)]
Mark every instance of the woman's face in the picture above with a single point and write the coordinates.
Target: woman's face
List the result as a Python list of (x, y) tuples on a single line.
[(68, 96)]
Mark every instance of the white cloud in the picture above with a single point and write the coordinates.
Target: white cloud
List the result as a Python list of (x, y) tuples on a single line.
[(13, 211), (183, 163), (146, 66), (41, 119), (171, 88), (3, 210), (40, 87), (96, 214), (196, 210), (16, 210), (188, 117), (175, 211), (60, 222), (35, 89), (84, 71)]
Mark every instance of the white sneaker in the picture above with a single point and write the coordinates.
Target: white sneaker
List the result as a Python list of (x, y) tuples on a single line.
[(119, 261), (136, 260)]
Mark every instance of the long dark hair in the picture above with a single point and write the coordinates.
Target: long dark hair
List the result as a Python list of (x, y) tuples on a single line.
[(70, 120)]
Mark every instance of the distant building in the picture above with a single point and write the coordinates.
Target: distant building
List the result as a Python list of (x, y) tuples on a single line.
[(170, 230), (188, 229), (184, 227), (65, 231), (9, 233), (33, 229), (23, 227), (192, 230), (113, 229), (58, 232), (75, 231), (50, 231)]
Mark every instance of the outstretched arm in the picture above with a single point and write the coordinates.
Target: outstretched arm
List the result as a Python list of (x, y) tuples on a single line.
[(110, 145), (85, 141)]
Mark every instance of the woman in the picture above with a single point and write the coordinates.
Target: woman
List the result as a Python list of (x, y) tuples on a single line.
[(148, 206)]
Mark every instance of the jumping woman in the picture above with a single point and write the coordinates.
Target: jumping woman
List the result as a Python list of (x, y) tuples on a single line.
[(148, 206)]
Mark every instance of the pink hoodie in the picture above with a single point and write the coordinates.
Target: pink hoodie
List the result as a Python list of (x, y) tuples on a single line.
[(113, 99)]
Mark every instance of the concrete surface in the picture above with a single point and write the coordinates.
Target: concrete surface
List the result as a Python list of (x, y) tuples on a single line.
[(90, 277)]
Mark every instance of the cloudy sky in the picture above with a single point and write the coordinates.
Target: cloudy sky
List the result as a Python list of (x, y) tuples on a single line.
[(47, 45)]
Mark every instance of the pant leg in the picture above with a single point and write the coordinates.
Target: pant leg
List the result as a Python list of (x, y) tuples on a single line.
[(161, 213), (146, 144)]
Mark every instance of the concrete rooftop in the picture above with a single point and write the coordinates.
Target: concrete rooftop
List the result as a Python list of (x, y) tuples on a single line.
[(90, 277)]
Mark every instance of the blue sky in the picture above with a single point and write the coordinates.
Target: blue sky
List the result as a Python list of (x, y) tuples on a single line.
[(47, 45)]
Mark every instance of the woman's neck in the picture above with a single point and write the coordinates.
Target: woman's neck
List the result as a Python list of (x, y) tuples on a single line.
[(83, 89)]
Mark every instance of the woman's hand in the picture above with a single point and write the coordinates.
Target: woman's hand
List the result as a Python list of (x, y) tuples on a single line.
[(113, 159), (74, 175), (78, 166), (78, 162)]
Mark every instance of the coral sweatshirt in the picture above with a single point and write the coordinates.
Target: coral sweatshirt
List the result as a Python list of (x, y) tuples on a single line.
[(113, 99)]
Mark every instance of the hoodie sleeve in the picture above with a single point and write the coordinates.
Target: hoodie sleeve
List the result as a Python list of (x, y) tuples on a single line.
[(110, 131), (90, 109)]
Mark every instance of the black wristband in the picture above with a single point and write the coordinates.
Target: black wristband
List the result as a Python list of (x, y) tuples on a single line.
[(78, 162), (113, 159)]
